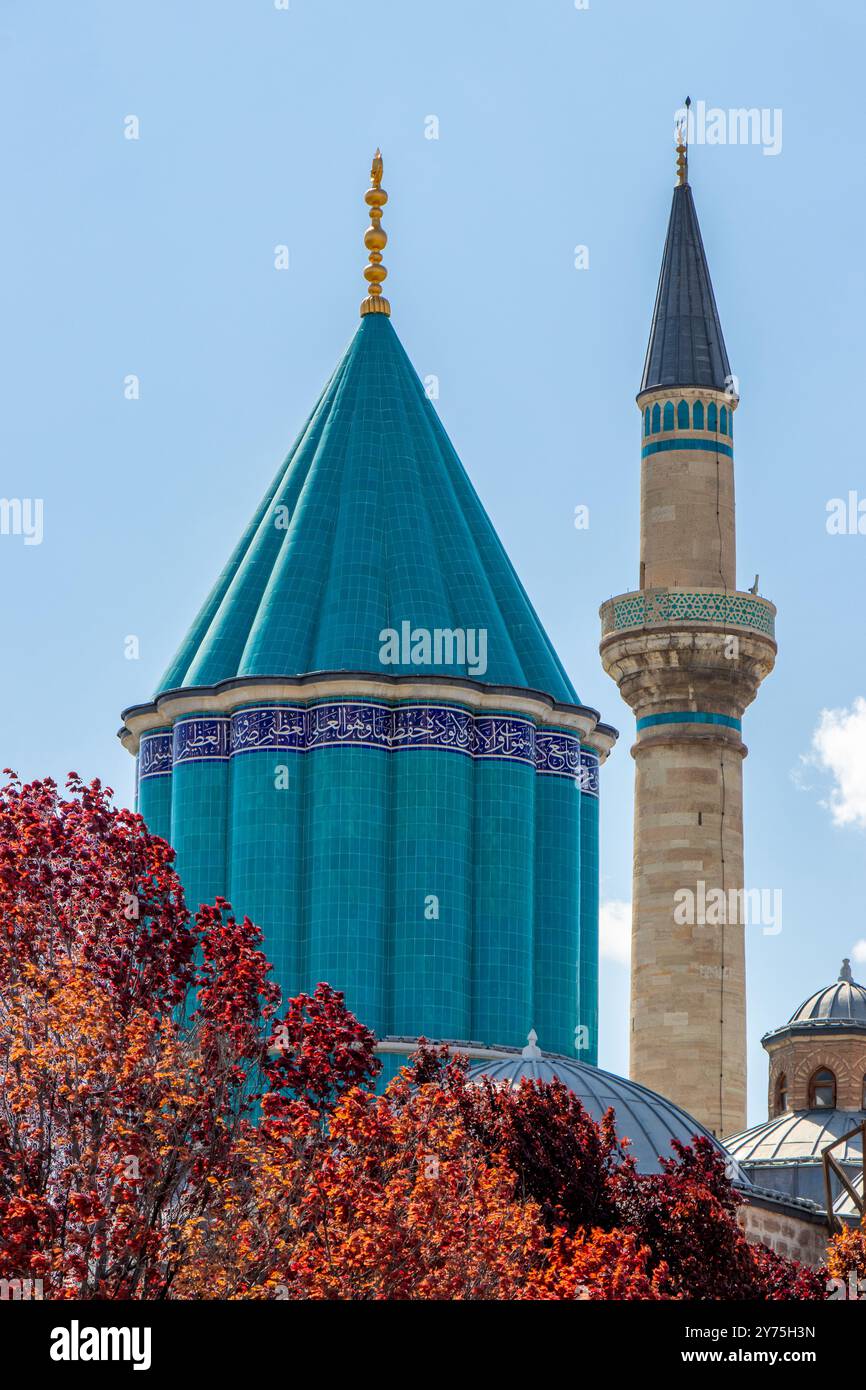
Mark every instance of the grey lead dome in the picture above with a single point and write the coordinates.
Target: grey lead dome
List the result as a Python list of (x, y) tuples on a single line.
[(647, 1120), (844, 1000)]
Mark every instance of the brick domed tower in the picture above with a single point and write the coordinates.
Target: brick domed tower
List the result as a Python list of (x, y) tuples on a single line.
[(816, 1094)]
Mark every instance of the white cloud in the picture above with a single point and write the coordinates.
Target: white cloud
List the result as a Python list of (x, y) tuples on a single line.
[(858, 951), (839, 747), (614, 927)]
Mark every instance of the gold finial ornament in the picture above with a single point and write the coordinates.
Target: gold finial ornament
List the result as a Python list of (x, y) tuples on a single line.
[(683, 147), (375, 240)]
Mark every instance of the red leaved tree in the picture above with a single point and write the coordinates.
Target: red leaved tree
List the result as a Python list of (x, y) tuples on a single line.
[(114, 1120), (448, 1188), (167, 1132)]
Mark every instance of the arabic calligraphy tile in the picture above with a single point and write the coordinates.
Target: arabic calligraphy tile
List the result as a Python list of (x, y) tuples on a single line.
[(589, 772), (367, 724), (154, 756), (198, 739), (557, 753)]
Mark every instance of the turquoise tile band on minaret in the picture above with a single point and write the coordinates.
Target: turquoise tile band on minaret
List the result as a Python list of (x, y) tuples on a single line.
[(664, 446), (422, 834), (688, 717)]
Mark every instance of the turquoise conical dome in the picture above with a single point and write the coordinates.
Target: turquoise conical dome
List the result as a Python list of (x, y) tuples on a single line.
[(419, 826), (370, 523)]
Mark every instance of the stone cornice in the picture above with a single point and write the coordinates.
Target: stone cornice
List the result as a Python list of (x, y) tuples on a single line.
[(230, 695), (685, 393), (812, 1028), (476, 1051)]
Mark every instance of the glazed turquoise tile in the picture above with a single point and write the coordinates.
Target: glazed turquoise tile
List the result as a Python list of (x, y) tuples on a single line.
[(435, 860), (371, 520)]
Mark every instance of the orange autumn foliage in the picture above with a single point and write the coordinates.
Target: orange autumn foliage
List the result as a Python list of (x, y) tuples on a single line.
[(167, 1132), (846, 1255)]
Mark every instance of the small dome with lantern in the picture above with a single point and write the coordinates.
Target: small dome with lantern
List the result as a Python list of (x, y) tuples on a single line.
[(816, 1093), (647, 1120), (844, 1001)]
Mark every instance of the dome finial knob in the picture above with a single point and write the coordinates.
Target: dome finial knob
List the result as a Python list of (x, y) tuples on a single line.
[(845, 972), (532, 1051), (375, 240)]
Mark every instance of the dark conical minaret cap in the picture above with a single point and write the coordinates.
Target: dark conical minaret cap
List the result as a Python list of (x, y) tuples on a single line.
[(845, 972), (686, 345)]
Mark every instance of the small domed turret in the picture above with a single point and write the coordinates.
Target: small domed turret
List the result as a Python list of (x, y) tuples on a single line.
[(817, 1092), (843, 1001)]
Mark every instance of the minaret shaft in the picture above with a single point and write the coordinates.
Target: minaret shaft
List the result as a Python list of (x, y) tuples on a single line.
[(688, 1007), (687, 523), (688, 651)]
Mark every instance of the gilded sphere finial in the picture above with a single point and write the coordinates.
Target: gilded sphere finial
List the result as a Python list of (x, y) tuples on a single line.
[(375, 240)]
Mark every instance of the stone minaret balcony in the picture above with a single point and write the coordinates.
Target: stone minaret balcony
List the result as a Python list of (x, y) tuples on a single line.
[(674, 652)]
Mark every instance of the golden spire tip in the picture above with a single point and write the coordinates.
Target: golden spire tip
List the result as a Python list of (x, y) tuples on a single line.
[(682, 138), (375, 240)]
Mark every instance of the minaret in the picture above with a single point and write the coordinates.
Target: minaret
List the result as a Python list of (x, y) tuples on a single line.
[(688, 651)]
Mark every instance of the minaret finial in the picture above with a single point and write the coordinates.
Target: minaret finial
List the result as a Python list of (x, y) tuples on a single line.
[(683, 146), (375, 240)]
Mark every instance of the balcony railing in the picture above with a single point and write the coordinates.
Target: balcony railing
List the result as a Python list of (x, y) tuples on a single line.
[(661, 607)]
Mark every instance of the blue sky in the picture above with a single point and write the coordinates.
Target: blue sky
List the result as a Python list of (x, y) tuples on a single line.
[(155, 257)]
